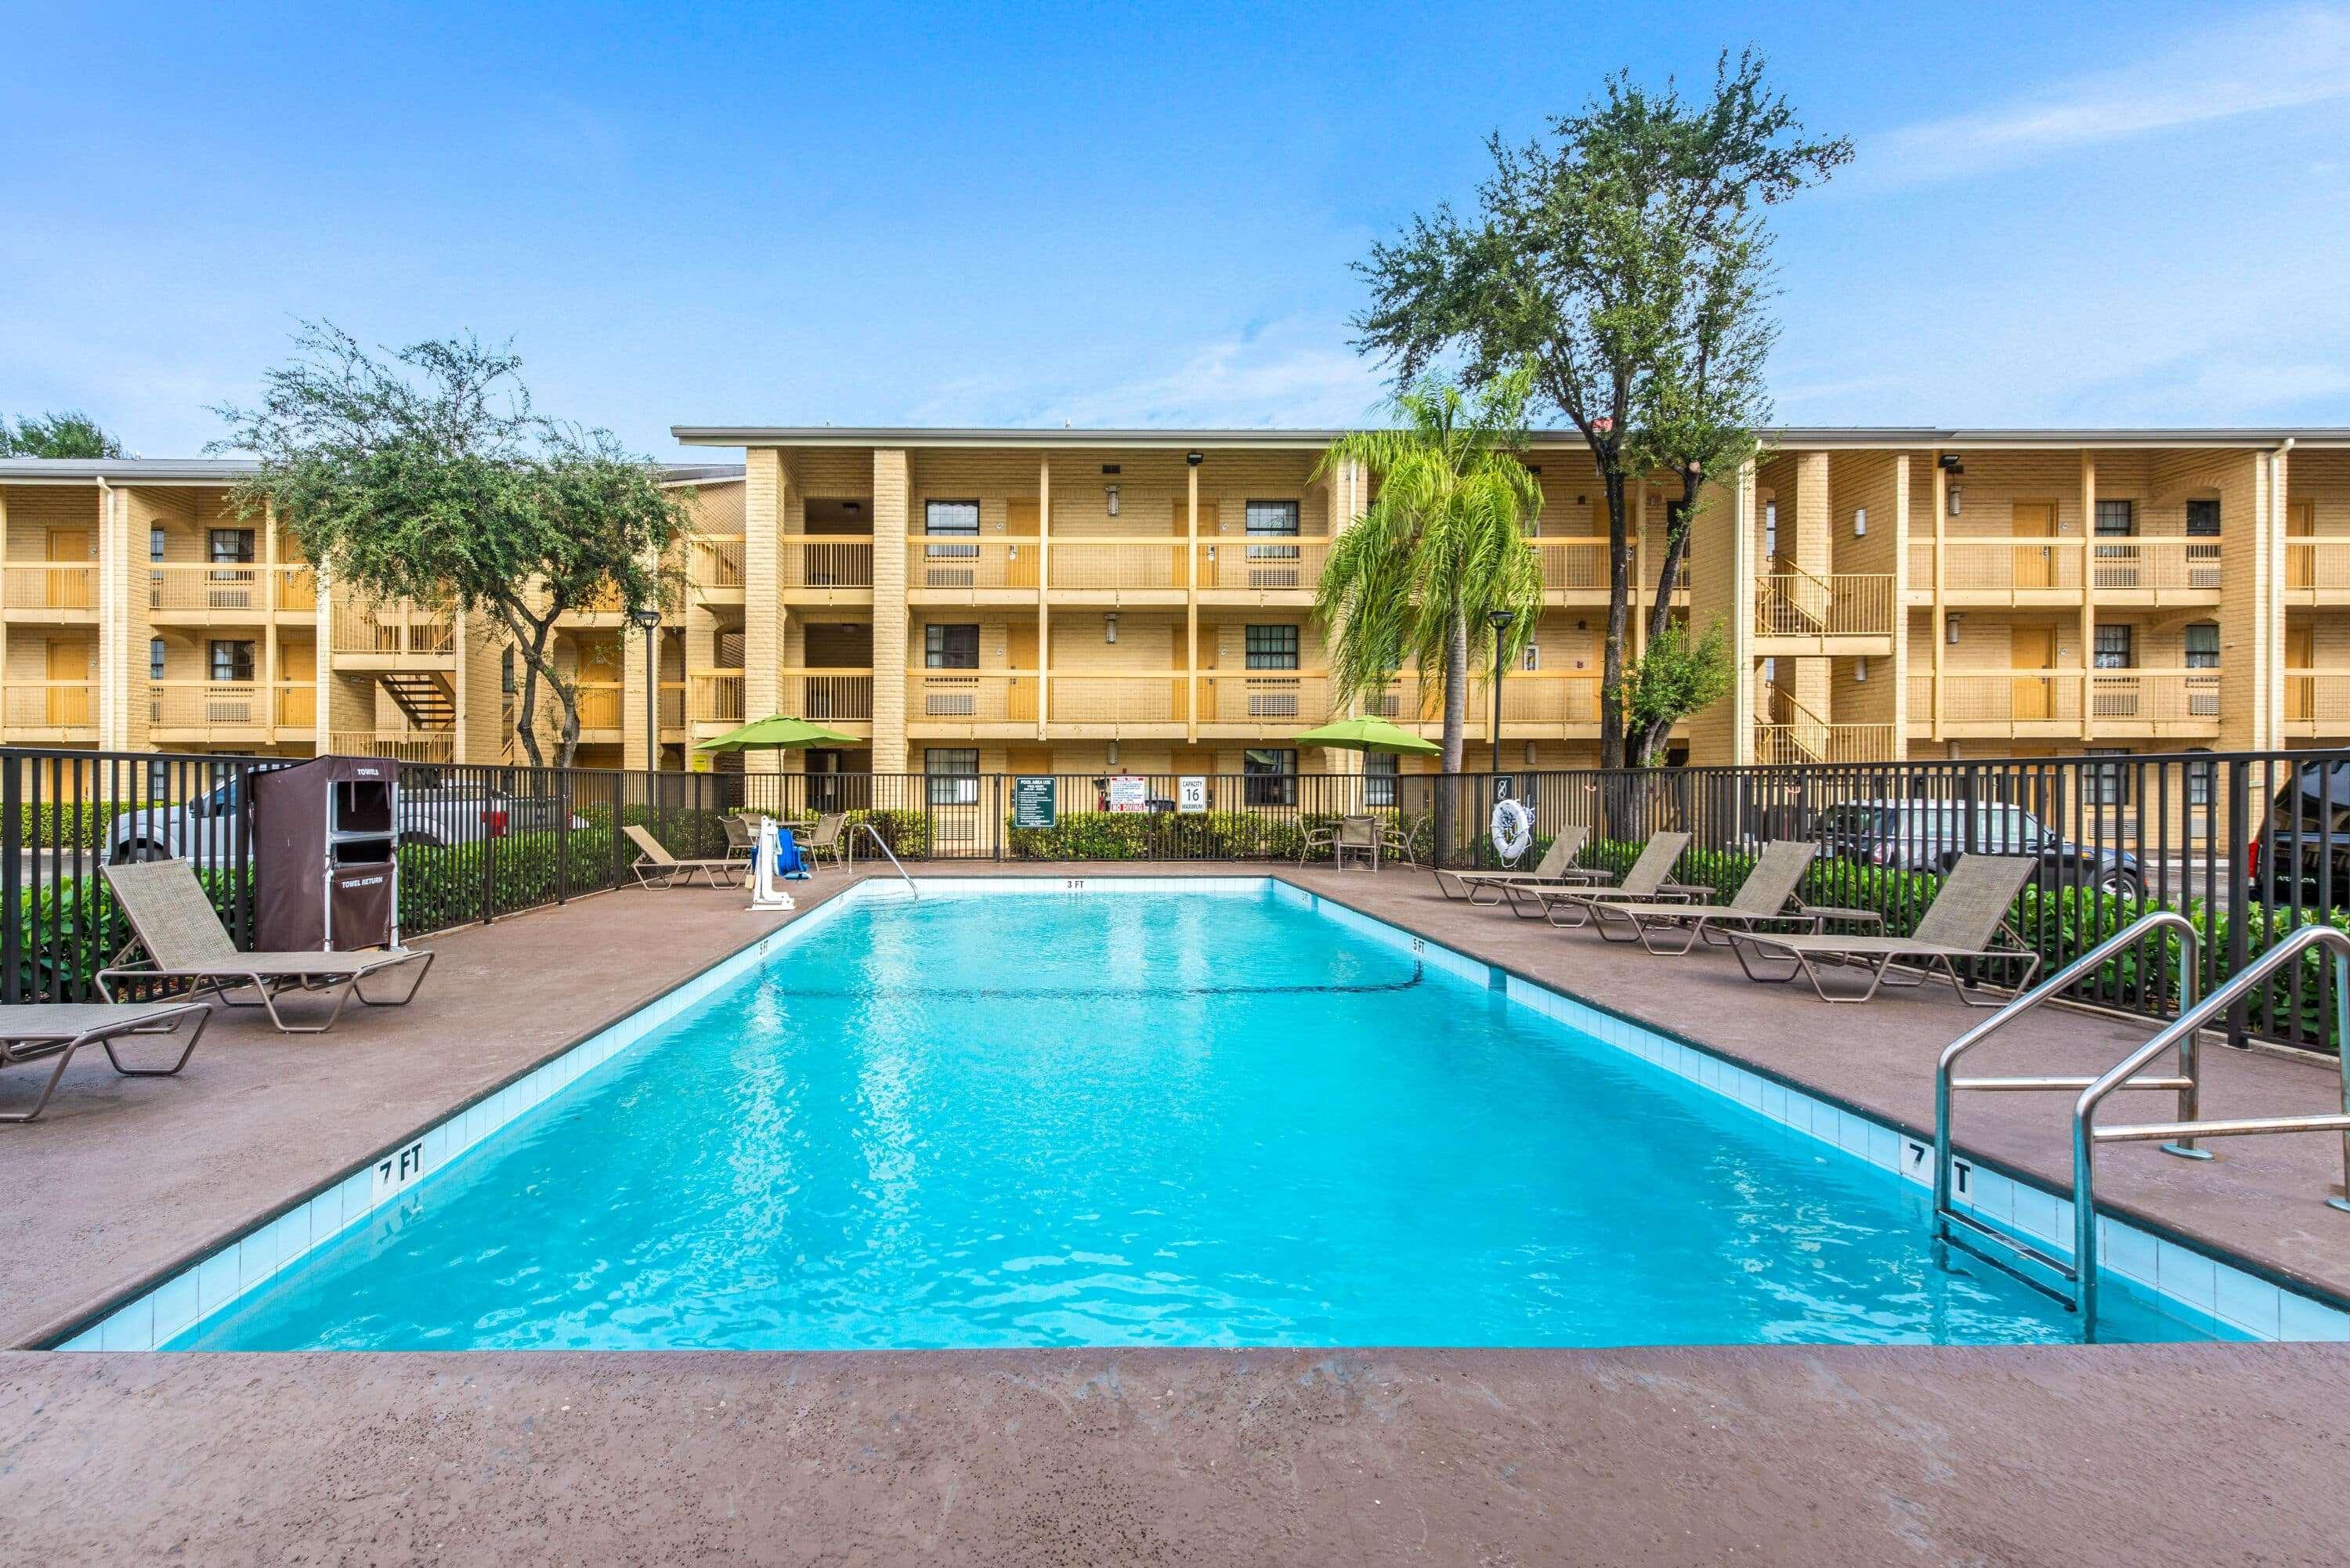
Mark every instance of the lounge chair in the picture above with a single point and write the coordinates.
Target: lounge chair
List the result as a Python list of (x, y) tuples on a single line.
[(1959, 927), (656, 868), (179, 937), (1357, 836), (1647, 881), (1763, 899), (30, 1033), (1556, 868)]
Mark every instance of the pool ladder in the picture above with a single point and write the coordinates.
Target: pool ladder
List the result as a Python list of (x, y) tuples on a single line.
[(880, 843), (1996, 1246)]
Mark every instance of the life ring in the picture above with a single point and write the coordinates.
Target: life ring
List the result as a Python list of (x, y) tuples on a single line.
[(1513, 829)]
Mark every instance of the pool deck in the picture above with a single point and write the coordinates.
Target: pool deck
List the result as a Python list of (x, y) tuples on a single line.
[(2113, 1454)]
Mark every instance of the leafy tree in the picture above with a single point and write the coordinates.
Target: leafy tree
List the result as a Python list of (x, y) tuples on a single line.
[(1441, 547), (69, 434), (1625, 258), (428, 476)]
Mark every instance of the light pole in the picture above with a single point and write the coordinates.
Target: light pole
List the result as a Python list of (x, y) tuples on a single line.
[(649, 618), (1500, 622)]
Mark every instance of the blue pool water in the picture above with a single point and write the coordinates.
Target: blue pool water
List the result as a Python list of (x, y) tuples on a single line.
[(1135, 1119)]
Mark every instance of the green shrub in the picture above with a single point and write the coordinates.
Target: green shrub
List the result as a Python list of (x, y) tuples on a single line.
[(78, 825)]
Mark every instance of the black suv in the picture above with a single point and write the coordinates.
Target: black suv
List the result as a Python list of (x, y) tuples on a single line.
[(1930, 835), (2301, 853)]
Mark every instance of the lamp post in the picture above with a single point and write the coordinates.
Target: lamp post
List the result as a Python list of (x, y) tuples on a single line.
[(1500, 622), (649, 618)]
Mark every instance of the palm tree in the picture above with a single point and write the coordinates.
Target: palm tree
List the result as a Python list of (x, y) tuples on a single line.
[(1440, 548)]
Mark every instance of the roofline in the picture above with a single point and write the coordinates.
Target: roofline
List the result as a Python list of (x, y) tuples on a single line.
[(1890, 438), (229, 470)]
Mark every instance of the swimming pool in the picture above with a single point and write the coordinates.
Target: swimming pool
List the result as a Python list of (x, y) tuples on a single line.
[(1145, 1117)]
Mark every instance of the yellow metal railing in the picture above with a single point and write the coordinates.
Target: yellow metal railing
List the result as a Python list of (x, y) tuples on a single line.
[(815, 561), (950, 697), (826, 695), (717, 560), (1572, 562), (400, 745), (1842, 604), (964, 561), (1533, 699), (1117, 566), (1265, 564), (2154, 696), (600, 704), (2162, 565), (1119, 698), (2316, 568), (714, 696), (61, 705), (49, 584), (1282, 698), (207, 705), (391, 630)]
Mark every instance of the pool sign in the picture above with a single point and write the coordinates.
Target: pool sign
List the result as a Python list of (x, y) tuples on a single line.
[(396, 1171), (1191, 792), (1128, 793), (1033, 801)]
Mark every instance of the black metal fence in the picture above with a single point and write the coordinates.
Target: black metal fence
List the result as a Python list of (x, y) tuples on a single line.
[(2251, 846)]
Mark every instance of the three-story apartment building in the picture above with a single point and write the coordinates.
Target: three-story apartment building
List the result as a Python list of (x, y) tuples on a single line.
[(963, 601)]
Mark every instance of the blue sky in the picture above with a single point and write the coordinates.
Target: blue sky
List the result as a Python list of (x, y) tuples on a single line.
[(2128, 214)]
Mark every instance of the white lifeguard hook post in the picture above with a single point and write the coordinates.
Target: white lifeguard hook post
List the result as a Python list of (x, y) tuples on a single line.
[(767, 883)]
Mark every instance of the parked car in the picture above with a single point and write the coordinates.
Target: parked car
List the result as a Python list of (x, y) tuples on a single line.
[(1930, 835), (2301, 852), (434, 813)]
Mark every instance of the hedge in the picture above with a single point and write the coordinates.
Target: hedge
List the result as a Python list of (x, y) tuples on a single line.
[(77, 824)]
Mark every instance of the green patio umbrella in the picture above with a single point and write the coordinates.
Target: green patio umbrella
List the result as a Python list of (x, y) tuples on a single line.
[(777, 734), (1368, 736)]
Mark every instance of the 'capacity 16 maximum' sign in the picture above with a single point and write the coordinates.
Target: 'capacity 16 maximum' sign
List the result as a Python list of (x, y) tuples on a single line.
[(1033, 802)]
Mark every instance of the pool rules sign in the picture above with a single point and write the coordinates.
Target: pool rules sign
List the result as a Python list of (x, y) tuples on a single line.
[(1031, 802)]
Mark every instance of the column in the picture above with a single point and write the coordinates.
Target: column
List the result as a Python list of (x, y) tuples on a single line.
[(267, 599), (1044, 603), (1722, 551), (1940, 630), (1900, 747), (1192, 601), (892, 493), (1815, 553), (2251, 616), (2088, 589), (636, 697), (765, 484)]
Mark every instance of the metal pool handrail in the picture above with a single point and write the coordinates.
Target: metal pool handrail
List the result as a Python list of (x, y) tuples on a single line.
[(2087, 1135), (849, 839), (2186, 1083)]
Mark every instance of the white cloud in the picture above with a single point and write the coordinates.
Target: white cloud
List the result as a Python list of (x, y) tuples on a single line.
[(2281, 59)]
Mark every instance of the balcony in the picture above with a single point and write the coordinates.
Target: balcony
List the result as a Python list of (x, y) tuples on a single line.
[(1120, 571), (2317, 570), (1535, 705), (2047, 704), (1847, 614), (1262, 571), (814, 569), (672, 709), (600, 704), (714, 698), (208, 711), (972, 569), (826, 696), (1248, 706), (968, 703), (57, 712), (1812, 743), (391, 637), (298, 704), (2004, 569), (1118, 705), (400, 745), (2316, 704), (63, 591), (714, 567), (212, 594)]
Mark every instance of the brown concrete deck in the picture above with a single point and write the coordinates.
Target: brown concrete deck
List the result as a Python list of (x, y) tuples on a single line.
[(2114, 1454)]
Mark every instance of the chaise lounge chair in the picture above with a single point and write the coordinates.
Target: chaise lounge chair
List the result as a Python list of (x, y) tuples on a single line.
[(1763, 899), (1960, 926), (1556, 868), (30, 1033), (656, 868), (174, 925), (1645, 883)]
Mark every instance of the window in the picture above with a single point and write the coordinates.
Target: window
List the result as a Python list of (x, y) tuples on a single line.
[(951, 517), (1380, 770), (1533, 657), (154, 544), (506, 672), (1275, 517), (2203, 518), (2106, 784), (2203, 646), (2199, 779), (232, 660), (231, 546), (2113, 648), (155, 653), (957, 520), (2116, 519), (1272, 647), (953, 773), (1272, 776), (951, 646)]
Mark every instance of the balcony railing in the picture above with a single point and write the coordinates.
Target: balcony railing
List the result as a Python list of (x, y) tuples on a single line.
[(50, 585), (984, 561), (2317, 567), (298, 704), (2006, 564), (68, 707), (207, 705), (1119, 698), (2000, 698), (1264, 564), (815, 561), (969, 696), (1573, 563), (400, 745), (2153, 696), (2316, 701), (714, 696), (1300, 699), (672, 704), (716, 560), (1808, 742), (392, 630), (1842, 604), (600, 704), (208, 588), (1535, 699), (1118, 565), (826, 695)]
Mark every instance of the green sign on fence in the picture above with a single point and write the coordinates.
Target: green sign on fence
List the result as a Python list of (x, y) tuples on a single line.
[(1033, 801)]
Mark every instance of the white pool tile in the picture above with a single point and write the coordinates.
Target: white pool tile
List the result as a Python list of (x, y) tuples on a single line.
[(2251, 1305), (216, 1283), (1884, 1147), (2125, 1250), (2298, 1317), (2034, 1213), (2186, 1275), (132, 1328), (1994, 1196), (178, 1302)]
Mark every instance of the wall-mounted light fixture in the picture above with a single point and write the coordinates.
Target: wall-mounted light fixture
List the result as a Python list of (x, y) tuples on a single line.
[(1112, 491), (1860, 521), (1860, 673), (1113, 754), (1193, 458), (1109, 627), (1950, 628), (1529, 753), (1953, 506), (852, 507)]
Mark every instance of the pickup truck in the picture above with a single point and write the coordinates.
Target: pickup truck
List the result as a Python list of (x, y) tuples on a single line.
[(201, 830)]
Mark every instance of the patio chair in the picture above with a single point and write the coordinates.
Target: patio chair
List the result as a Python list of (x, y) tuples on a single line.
[(656, 868), (33, 1031), (180, 938), (1556, 868), (1762, 900), (1648, 881), (741, 836), (1360, 836), (1961, 924), (829, 836)]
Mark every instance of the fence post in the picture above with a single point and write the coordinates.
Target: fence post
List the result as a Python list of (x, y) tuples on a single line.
[(2239, 890), (489, 858), (12, 882), (563, 837)]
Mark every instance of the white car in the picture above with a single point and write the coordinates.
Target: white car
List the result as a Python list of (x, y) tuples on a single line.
[(204, 830)]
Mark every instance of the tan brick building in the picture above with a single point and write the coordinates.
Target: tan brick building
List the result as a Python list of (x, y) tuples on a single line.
[(973, 600)]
